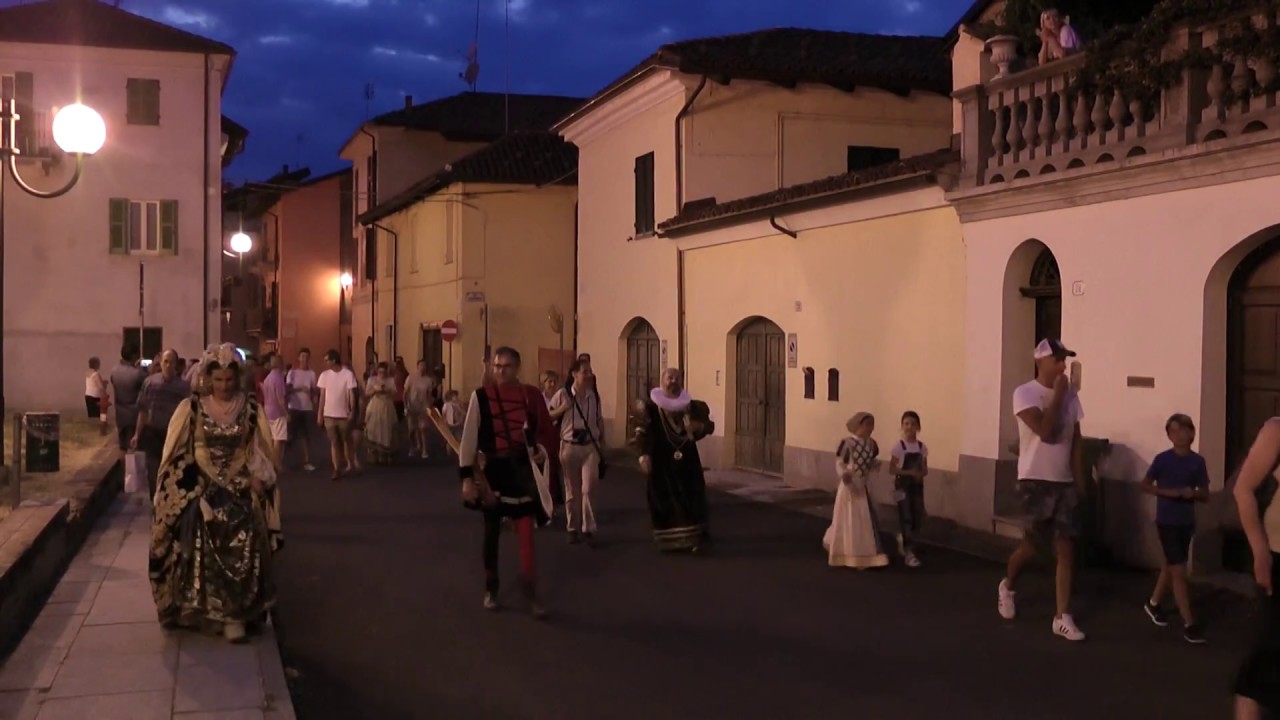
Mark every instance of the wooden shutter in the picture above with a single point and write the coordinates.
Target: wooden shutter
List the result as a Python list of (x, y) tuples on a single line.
[(169, 227), (142, 98), (644, 194), (370, 253), (118, 221), (24, 98)]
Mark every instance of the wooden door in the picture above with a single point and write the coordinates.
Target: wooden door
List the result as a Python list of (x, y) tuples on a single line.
[(644, 367), (1253, 379), (432, 348), (760, 435)]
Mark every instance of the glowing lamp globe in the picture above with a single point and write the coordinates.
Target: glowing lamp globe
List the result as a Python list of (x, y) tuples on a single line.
[(241, 243), (79, 129), (345, 281)]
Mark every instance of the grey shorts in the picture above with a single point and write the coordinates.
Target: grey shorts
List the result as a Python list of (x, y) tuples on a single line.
[(1049, 507)]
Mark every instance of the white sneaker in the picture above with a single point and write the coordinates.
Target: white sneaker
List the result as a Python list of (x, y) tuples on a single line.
[(309, 467), (1008, 609), (1065, 626), (911, 560)]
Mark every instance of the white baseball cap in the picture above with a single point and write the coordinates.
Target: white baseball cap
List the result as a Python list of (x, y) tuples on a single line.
[(1049, 347)]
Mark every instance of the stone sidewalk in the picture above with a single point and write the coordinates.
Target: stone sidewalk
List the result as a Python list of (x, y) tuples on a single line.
[(96, 652)]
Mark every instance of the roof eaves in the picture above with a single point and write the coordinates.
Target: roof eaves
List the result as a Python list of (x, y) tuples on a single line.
[(417, 192), (613, 89), (677, 228)]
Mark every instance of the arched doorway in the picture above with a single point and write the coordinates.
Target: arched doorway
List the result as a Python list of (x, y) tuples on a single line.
[(1253, 348), (761, 391), (1044, 288), (644, 365)]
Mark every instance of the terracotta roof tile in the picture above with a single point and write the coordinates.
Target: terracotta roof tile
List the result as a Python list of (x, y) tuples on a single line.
[(788, 56), (522, 158), (91, 23), (481, 115), (699, 212)]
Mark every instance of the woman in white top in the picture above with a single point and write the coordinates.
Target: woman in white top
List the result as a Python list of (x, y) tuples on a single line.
[(380, 415), (1258, 682), (95, 392)]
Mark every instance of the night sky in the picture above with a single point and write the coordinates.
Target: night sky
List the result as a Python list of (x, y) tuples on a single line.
[(299, 78)]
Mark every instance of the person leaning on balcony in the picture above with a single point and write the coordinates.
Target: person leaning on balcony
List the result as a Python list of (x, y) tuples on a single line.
[(1057, 38), (1257, 685)]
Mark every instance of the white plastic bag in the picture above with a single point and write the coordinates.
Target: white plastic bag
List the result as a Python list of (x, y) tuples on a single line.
[(135, 472)]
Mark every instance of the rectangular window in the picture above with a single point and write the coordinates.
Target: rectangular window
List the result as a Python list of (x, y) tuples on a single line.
[(371, 178), (371, 253), (20, 87), (143, 227), (644, 195), (862, 157), (152, 340), (143, 101)]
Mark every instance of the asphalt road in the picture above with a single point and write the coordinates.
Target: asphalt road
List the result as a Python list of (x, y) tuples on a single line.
[(380, 617)]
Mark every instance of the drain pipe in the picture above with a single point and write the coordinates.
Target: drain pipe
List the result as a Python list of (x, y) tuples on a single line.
[(395, 288), (680, 294), (684, 110)]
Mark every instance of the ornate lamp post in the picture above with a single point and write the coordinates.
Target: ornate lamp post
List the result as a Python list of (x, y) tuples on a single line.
[(79, 131)]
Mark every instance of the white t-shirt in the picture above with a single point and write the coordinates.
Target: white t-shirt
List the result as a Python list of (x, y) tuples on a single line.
[(335, 386), (902, 448), (302, 382), (94, 385), (454, 415), (1037, 459)]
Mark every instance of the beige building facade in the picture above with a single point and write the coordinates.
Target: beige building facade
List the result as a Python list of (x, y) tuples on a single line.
[(488, 245)]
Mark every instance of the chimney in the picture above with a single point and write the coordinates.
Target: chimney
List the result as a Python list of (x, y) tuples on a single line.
[(408, 102)]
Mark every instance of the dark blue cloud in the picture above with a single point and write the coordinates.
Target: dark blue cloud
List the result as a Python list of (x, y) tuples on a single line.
[(299, 79)]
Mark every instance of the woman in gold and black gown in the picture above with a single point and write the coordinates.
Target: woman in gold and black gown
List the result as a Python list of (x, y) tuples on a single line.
[(216, 519)]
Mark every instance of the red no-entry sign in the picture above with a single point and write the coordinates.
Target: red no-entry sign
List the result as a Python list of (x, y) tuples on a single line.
[(448, 330)]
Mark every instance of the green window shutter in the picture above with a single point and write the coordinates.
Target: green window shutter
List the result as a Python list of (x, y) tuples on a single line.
[(24, 97), (118, 220), (154, 105), (169, 227)]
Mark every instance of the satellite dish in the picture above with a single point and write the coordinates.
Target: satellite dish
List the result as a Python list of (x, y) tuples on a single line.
[(556, 319)]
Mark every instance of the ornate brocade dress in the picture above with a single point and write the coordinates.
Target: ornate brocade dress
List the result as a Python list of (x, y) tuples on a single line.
[(212, 537)]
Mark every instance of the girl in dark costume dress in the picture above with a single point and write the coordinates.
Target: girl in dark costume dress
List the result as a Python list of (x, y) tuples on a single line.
[(668, 428)]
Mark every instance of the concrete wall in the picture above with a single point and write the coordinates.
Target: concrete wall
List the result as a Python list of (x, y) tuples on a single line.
[(748, 138), (1144, 295), (310, 267), (874, 289), (67, 297)]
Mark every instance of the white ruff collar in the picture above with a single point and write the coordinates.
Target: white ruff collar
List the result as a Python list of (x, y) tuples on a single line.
[(680, 403)]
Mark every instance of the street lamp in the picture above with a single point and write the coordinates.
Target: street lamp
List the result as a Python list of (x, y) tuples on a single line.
[(78, 130), (345, 280), (241, 242)]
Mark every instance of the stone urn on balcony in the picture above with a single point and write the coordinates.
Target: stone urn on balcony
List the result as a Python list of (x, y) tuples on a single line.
[(1004, 51)]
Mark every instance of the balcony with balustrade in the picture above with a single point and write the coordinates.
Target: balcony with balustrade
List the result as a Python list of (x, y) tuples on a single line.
[(1057, 121)]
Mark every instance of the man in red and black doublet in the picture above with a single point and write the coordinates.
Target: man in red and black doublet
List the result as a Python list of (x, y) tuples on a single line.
[(506, 422)]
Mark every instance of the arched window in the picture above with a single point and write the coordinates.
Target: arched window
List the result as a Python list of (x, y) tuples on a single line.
[(809, 391), (833, 385), (1045, 288)]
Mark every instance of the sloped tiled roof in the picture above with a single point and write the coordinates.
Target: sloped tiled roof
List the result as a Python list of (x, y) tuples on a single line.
[(481, 115), (522, 158), (91, 23), (789, 56), (699, 213)]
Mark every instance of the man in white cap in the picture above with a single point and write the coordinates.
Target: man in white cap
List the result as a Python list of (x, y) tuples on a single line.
[(1049, 474)]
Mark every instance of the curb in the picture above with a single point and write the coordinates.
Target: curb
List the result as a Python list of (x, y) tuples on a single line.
[(38, 540)]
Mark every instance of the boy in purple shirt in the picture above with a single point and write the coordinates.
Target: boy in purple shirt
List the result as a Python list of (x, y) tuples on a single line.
[(275, 404), (1179, 479)]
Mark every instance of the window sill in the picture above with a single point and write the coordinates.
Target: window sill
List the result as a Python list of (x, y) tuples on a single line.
[(642, 236)]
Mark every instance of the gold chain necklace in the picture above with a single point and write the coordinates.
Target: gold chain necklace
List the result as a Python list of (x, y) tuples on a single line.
[(673, 437)]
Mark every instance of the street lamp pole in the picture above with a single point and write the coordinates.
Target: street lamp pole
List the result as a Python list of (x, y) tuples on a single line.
[(78, 130)]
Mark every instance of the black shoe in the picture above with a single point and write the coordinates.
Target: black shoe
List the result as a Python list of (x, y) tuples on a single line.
[(1156, 614), (1193, 634), (574, 537)]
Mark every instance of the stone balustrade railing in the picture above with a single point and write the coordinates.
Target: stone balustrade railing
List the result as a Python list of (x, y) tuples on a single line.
[(1022, 128)]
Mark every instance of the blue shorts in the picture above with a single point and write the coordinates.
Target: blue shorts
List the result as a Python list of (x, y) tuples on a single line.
[(1175, 540)]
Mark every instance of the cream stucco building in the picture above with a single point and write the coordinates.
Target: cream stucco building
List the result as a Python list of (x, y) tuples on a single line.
[(778, 228), (388, 155), (487, 242), (1146, 233), (148, 199)]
